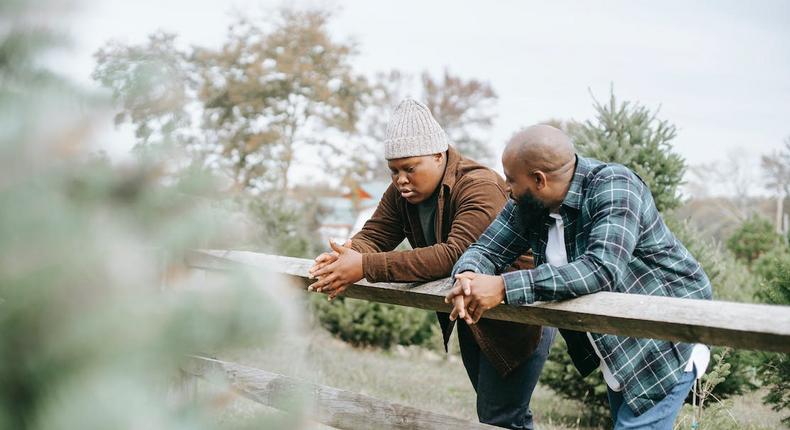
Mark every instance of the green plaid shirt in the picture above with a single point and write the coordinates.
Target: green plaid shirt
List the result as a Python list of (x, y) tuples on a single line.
[(616, 241)]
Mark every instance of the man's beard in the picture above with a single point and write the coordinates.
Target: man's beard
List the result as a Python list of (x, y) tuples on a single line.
[(531, 210)]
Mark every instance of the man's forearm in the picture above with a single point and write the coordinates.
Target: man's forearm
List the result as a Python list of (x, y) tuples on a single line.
[(474, 260)]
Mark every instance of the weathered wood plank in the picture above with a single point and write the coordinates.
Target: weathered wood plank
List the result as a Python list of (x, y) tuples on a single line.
[(739, 325), (330, 406)]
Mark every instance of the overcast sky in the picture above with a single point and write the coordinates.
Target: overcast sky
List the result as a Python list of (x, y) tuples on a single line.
[(719, 70)]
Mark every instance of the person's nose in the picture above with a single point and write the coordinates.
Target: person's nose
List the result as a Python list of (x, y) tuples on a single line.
[(402, 179)]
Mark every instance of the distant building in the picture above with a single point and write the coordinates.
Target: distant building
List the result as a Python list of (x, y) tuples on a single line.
[(345, 215)]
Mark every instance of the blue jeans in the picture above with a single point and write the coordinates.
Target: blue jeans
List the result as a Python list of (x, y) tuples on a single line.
[(660, 417), (503, 402)]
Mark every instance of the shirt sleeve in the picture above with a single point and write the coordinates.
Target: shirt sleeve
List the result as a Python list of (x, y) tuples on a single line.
[(497, 248), (615, 202)]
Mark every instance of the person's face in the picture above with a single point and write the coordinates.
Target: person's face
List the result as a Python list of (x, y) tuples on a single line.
[(417, 177), (525, 188)]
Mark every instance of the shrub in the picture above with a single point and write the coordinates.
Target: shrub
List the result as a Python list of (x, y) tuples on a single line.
[(753, 238), (773, 369), (364, 323)]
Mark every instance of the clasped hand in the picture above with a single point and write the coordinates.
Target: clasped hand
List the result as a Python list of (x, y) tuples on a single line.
[(473, 294), (336, 270)]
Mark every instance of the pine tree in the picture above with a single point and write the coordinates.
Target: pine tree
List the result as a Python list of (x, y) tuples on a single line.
[(90, 330), (632, 135)]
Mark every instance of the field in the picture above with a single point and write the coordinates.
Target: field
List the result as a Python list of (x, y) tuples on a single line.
[(436, 382)]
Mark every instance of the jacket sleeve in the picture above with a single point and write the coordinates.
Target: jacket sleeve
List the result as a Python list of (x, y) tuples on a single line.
[(498, 247), (384, 230), (476, 207)]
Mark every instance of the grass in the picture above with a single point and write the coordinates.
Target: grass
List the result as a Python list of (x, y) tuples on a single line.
[(437, 382)]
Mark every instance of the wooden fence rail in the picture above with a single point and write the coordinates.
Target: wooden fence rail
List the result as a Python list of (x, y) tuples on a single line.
[(738, 325), (327, 405)]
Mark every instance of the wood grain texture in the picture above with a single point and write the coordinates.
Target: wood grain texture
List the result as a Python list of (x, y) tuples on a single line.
[(738, 325), (330, 406)]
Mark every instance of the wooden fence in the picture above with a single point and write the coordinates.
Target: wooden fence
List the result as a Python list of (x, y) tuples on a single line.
[(738, 325)]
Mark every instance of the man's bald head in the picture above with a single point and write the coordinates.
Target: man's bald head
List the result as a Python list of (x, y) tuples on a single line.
[(539, 163), (540, 147)]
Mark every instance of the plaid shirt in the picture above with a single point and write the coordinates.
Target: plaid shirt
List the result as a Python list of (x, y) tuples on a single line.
[(616, 241)]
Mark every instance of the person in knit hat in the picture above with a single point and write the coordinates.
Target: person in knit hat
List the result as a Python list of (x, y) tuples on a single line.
[(441, 202)]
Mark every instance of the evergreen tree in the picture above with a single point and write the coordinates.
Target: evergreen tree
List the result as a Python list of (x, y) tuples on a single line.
[(753, 238), (95, 319), (632, 135), (773, 369)]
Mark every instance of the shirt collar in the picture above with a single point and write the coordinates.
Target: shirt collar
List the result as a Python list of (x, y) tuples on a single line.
[(573, 198)]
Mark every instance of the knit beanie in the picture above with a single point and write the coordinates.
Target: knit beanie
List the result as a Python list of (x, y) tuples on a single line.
[(412, 131)]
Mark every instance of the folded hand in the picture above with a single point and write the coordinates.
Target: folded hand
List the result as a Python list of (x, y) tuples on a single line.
[(337, 270), (478, 292)]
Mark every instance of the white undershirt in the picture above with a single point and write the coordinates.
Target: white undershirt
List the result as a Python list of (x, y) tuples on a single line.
[(556, 256)]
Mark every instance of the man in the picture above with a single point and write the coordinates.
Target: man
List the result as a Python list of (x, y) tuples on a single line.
[(441, 202), (592, 227)]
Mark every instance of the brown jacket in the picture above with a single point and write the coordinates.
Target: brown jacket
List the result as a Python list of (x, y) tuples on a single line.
[(470, 197)]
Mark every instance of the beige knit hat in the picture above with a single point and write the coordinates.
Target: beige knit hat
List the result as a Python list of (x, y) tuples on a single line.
[(412, 131)]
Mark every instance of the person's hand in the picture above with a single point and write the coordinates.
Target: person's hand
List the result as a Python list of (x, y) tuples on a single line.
[(459, 306), (485, 292), (335, 277), (325, 259)]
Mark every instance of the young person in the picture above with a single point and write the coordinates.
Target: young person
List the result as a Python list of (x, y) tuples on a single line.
[(441, 202)]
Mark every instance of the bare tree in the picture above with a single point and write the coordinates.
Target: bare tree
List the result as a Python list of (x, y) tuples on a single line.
[(464, 108), (776, 169)]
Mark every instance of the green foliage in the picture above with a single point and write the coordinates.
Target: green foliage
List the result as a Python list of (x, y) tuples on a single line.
[(753, 238), (774, 268), (711, 412), (97, 312), (774, 368), (282, 227), (273, 88), (630, 134), (152, 83), (730, 278), (364, 323), (732, 281)]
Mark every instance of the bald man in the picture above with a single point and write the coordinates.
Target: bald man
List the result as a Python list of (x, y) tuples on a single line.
[(592, 227)]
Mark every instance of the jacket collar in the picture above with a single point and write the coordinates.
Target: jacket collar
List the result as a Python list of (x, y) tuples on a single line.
[(450, 170)]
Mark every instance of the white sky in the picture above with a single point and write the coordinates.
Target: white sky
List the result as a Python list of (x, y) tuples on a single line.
[(719, 70)]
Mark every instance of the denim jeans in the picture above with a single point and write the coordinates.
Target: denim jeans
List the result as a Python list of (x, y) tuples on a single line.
[(503, 402), (660, 417)]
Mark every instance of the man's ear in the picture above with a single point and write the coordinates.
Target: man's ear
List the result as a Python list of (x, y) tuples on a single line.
[(540, 179), (438, 157)]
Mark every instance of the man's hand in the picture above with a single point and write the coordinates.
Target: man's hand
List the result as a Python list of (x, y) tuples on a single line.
[(335, 277), (480, 293), (326, 259), (459, 304)]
